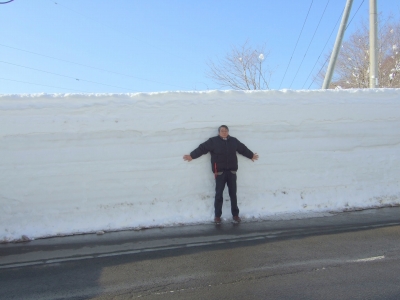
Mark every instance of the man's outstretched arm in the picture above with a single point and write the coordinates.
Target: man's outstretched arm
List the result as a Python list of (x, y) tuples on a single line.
[(255, 157), (203, 148), (187, 157), (242, 149)]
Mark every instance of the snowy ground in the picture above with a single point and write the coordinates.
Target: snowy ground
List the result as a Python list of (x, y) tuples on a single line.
[(74, 163)]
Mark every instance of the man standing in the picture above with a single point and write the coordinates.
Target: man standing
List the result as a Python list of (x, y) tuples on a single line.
[(224, 164)]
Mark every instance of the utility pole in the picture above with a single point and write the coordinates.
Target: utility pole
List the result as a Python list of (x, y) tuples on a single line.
[(373, 44), (338, 43)]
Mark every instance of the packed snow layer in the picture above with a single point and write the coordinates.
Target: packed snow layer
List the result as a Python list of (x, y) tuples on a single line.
[(74, 163)]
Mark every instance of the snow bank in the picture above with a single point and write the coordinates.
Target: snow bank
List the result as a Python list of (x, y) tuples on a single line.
[(73, 163)]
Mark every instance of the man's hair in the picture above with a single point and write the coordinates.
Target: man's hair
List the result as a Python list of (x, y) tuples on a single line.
[(223, 126)]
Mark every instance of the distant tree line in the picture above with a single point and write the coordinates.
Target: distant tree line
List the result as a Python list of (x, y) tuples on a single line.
[(352, 67), (246, 68)]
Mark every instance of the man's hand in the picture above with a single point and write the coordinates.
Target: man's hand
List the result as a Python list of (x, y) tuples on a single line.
[(255, 157), (187, 157)]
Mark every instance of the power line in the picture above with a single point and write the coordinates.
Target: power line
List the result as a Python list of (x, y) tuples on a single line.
[(6, 2), (304, 23), (66, 76), (305, 54), (323, 49), (87, 66), (351, 20), (43, 85), (84, 65)]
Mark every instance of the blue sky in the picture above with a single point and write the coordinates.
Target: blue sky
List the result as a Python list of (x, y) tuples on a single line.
[(122, 46)]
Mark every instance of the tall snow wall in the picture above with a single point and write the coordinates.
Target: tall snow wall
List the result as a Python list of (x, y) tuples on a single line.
[(74, 163)]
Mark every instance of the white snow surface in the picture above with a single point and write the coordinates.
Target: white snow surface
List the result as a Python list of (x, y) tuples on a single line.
[(77, 163)]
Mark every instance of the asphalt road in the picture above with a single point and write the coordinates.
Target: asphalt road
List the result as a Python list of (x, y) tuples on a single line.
[(353, 255)]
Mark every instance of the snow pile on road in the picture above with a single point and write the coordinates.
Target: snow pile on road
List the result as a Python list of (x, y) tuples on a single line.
[(74, 163)]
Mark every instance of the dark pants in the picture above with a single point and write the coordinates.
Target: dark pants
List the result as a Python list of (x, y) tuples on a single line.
[(227, 177)]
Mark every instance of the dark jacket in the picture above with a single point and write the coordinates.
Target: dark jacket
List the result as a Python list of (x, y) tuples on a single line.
[(223, 152)]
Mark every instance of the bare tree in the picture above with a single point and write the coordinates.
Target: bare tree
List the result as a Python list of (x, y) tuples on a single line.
[(352, 67), (241, 69)]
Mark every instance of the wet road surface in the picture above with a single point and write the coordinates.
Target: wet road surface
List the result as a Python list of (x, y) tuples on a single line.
[(353, 255)]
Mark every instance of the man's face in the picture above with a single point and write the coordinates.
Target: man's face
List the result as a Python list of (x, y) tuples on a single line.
[(223, 132)]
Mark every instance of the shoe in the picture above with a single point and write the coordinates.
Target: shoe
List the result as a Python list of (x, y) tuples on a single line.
[(237, 219), (217, 220)]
